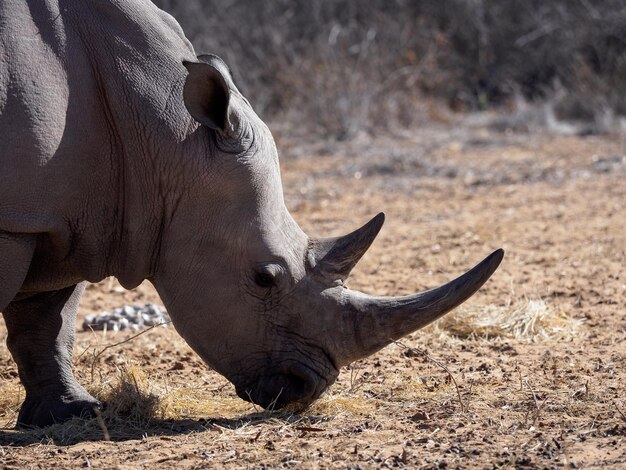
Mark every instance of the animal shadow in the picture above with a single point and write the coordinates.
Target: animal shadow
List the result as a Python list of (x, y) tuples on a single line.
[(119, 429)]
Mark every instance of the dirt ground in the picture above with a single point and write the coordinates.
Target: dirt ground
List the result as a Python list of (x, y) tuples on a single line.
[(529, 373)]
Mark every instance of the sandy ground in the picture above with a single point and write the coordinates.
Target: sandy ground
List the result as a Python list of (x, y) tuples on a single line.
[(545, 392)]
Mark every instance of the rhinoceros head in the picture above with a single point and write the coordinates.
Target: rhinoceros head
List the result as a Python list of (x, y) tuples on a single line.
[(260, 301)]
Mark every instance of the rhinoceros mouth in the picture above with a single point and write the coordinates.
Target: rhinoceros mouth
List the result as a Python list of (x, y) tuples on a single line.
[(297, 385)]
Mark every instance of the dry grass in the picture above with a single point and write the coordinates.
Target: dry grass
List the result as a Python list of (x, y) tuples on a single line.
[(524, 320)]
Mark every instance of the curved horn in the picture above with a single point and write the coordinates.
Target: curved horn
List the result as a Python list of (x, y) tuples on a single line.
[(370, 323), (335, 257)]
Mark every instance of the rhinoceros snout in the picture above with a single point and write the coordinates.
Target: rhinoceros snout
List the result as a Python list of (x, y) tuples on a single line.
[(295, 386)]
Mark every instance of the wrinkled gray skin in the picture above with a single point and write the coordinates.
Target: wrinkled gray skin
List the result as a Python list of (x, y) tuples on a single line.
[(124, 154)]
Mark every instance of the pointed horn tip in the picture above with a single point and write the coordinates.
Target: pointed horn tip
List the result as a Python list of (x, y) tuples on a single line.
[(378, 220), (481, 273), (371, 228), (495, 258)]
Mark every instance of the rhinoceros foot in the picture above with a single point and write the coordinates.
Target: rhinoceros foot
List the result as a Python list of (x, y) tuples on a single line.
[(44, 411)]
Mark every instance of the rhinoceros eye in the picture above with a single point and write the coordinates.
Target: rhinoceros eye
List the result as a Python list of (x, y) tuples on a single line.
[(264, 280)]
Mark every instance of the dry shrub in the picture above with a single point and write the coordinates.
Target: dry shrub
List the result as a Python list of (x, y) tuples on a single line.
[(527, 320), (338, 68), (132, 405), (132, 397)]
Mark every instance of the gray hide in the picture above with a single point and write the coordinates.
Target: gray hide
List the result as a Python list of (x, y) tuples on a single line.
[(124, 154)]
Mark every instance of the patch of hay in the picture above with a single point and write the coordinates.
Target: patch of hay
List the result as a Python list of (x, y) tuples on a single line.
[(132, 404), (11, 396), (525, 320), (131, 397), (194, 403), (333, 405)]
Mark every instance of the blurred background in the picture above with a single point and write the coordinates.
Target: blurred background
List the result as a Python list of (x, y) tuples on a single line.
[(342, 68)]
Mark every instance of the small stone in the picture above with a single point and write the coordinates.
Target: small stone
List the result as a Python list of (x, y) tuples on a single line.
[(123, 323), (178, 366), (127, 317), (152, 310)]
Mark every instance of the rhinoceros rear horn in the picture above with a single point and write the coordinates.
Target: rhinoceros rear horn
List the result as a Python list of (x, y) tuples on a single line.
[(207, 93), (334, 258)]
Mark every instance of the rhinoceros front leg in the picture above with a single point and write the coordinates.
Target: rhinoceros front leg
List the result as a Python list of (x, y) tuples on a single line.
[(41, 331), (16, 253)]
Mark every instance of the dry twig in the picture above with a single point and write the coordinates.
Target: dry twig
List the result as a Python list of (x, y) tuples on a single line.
[(620, 412), (538, 405), (101, 423), (110, 346), (438, 364)]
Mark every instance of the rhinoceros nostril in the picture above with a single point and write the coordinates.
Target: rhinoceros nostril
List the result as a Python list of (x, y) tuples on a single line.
[(301, 387)]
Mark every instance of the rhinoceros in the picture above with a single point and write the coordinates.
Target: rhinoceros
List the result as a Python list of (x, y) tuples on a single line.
[(125, 154)]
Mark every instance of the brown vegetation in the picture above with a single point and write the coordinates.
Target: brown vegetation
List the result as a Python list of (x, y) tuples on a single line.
[(339, 67)]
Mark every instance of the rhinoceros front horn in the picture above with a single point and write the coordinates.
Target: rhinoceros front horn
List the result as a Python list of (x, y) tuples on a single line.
[(369, 323), (334, 258)]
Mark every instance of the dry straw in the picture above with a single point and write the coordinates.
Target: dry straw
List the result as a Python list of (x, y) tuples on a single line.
[(526, 320)]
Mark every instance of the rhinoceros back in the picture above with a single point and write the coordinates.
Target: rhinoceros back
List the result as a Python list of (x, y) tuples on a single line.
[(77, 77), (33, 86), (84, 86), (52, 49)]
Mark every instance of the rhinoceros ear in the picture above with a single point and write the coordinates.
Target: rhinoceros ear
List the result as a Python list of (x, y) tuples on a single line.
[(207, 92)]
